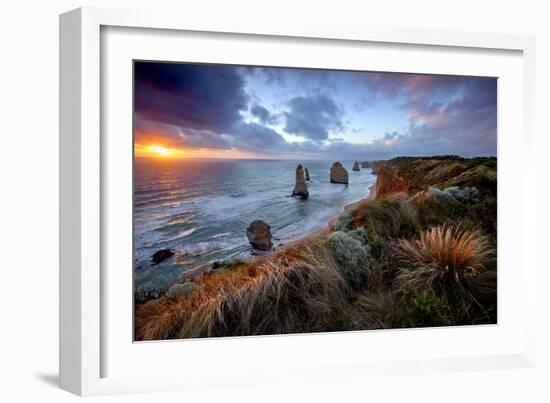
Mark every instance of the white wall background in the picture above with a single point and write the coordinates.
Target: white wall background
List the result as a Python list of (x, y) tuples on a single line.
[(29, 201)]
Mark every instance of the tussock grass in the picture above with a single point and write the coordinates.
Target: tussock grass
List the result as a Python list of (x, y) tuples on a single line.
[(293, 291), (380, 310), (452, 262), (392, 262), (388, 216)]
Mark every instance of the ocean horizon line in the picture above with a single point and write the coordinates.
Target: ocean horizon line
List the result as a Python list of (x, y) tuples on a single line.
[(243, 159), (142, 158)]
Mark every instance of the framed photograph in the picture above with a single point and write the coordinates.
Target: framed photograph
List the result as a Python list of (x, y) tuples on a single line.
[(244, 203)]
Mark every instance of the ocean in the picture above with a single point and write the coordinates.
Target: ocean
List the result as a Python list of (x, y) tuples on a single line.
[(201, 209)]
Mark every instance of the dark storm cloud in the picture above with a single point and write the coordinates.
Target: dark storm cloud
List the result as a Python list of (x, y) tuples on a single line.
[(447, 114), (409, 85), (202, 106), (174, 136), (259, 138), (252, 137), (313, 117), (202, 97), (462, 121), (263, 114), (198, 106), (463, 124)]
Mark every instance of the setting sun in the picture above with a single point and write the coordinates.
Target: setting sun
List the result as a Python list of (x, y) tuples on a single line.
[(159, 150)]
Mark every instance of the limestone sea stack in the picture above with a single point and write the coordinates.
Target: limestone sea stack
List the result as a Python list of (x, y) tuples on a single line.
[(356, 166), (338, 174), (259, 235), (365, 164), (307, 175), (300, 188)]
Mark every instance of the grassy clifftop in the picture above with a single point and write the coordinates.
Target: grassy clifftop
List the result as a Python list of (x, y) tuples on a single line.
[(421, 254), (444, 189), (414, 174)]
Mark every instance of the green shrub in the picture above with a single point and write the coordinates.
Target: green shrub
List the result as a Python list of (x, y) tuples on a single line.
[(423, 308), (226, 265), (382, 310), (488, 183), (392, 217), (352, 256), (340, 320), (405, 309), (466, 194), (435, 210), (344, 220), (360, 234)]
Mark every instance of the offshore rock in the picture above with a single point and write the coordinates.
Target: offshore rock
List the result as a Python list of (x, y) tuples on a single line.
[(338, 174), (259, 235), (307, 175), (356, 166), (161, 255), (300, 188)]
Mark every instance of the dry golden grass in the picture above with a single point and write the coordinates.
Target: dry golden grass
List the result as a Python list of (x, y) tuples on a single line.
[(288, 292), (446, 252), (378, 310), (451, 261), (387, 216)]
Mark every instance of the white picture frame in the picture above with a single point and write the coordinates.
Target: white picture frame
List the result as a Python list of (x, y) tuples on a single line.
[(85, 345)]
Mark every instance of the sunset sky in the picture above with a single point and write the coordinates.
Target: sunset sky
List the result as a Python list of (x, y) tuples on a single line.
[(217, 111)]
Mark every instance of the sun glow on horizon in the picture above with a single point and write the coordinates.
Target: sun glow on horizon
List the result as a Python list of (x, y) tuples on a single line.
[(160, 150)]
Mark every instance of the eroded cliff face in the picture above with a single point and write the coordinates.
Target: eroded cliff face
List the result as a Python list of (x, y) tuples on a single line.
[(412, 175), (389, 179)]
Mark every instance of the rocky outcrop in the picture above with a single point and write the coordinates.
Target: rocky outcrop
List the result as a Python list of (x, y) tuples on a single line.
[(259, 235), (375, 166), (300, 188), (307, 175), (338, 174), (356, 166), (389, 180), (365, 164), (417, 174), (161, 255)]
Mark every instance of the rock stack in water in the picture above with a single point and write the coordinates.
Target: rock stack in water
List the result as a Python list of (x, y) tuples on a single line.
[(161, 255), (259, 235), (338, 174), (300, 188), (365, 164), (356, 166), (307, 175)]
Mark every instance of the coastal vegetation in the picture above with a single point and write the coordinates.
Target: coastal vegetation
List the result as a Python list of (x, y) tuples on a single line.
[(421, 252)]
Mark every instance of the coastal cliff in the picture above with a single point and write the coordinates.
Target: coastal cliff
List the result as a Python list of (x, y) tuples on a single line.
[(390, 180), (421, 253), (414, 174)]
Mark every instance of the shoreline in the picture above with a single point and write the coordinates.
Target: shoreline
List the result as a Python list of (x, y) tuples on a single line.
[(327, 228), (191, 274), (324, 282)]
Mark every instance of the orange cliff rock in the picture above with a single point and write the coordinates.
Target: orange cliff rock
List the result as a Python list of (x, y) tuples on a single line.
[(389, 180), (415, 174)]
